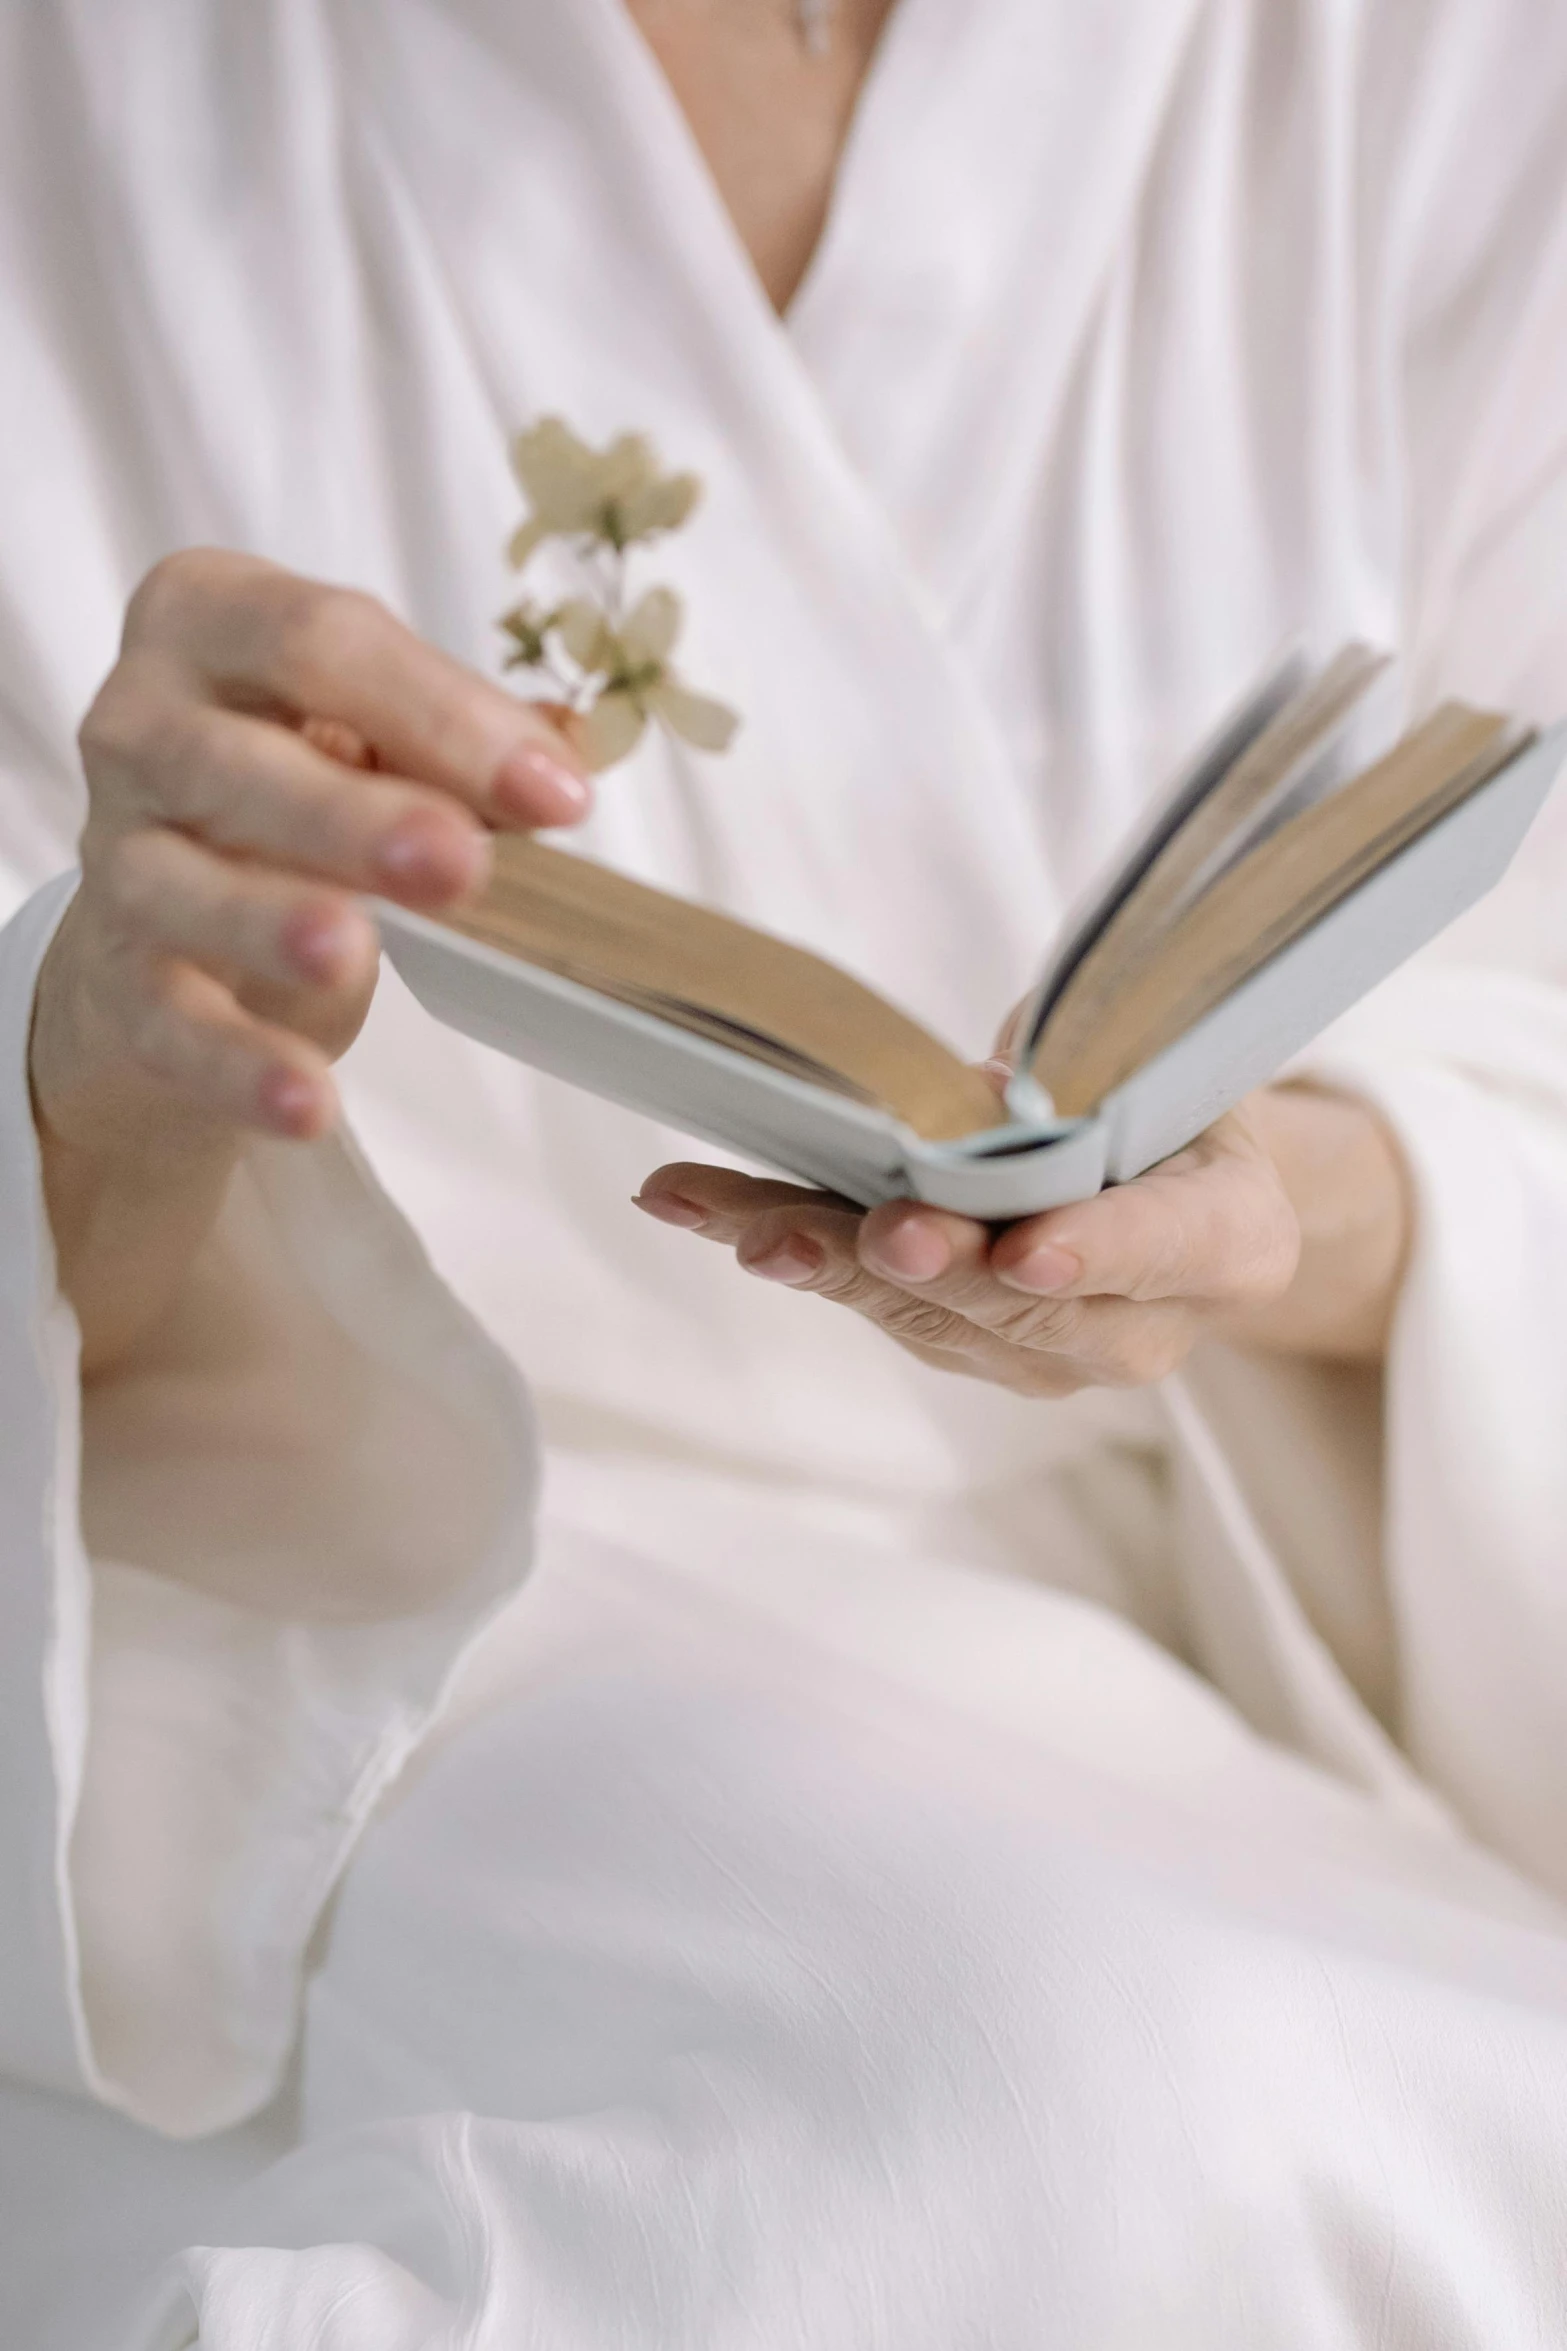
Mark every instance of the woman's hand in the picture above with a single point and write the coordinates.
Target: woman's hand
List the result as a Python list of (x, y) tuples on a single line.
[(1284, 1226), (265, 750)]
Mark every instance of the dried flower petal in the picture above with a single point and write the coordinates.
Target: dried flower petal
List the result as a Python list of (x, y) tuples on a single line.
[(612, 729), (562, 478), (651, 629), (661, 505), (561, 474), (627, 466), (697, 718), (525, 540), (587, 636)]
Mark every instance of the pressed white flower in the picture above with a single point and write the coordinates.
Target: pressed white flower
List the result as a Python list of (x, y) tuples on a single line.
[(616, 496), (609, 667), (639, 683)]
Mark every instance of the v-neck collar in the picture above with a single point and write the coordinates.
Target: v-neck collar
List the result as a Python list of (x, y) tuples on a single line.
[(768, 359), (971, 126), (979, 125), (553, 208), (933, 337), (660, 205), (660, 99)]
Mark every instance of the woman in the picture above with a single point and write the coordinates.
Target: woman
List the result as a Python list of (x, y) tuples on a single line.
[(1072, 1854)]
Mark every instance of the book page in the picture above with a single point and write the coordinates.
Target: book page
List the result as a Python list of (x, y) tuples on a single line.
[(722, 979), (1134, 856), (1294, 748), (1260, 904)]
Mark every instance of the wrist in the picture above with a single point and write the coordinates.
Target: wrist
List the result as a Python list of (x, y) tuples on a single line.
[(1349, 1185), (132, 1181)]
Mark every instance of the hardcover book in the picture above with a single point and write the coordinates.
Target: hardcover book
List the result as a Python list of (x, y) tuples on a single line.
[(1272, 887)]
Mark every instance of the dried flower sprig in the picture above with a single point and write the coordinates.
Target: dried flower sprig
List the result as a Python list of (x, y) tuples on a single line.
[(608, 663)]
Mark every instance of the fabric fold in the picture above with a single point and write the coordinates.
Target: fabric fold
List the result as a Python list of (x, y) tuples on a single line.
[(1360, 1580), (44, 1586), (192, 1744), (1475, 1087)]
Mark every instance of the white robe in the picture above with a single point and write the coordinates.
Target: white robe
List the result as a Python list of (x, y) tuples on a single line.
[(911, 1867)]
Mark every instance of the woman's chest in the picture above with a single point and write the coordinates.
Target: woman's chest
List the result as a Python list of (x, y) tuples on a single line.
[(1078, 414)]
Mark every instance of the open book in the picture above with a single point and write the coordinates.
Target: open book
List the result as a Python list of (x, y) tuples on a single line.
[(1269, 890)]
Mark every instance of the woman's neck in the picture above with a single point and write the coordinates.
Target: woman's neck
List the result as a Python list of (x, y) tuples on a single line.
[(769, 113)]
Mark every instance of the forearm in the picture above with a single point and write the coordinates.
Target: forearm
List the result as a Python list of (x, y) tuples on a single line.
[(126, 1233), (1349, 1187)]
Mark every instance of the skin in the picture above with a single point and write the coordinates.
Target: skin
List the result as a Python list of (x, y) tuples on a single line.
[(769, 117), (1283, 1227), (266, 748)]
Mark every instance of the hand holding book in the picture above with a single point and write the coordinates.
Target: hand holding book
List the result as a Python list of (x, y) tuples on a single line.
[(1284, 1226)]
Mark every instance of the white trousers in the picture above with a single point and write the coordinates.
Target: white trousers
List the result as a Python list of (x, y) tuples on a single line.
[(708, 1992)]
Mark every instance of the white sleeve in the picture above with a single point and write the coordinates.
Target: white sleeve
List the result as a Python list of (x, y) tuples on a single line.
[(1461, 1648), (235, 1582), (1466, 1052), (1470, 1069)]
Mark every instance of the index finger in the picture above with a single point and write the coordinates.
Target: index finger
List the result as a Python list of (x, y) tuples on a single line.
[(270, 642), (720, 1202)]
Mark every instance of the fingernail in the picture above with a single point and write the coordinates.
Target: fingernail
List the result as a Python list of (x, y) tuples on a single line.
[(289, 1102), (424, 855), (914, 1251), (670, 1208), (321, 944), (1044, 1271), (793, 1260), (533, 784)]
